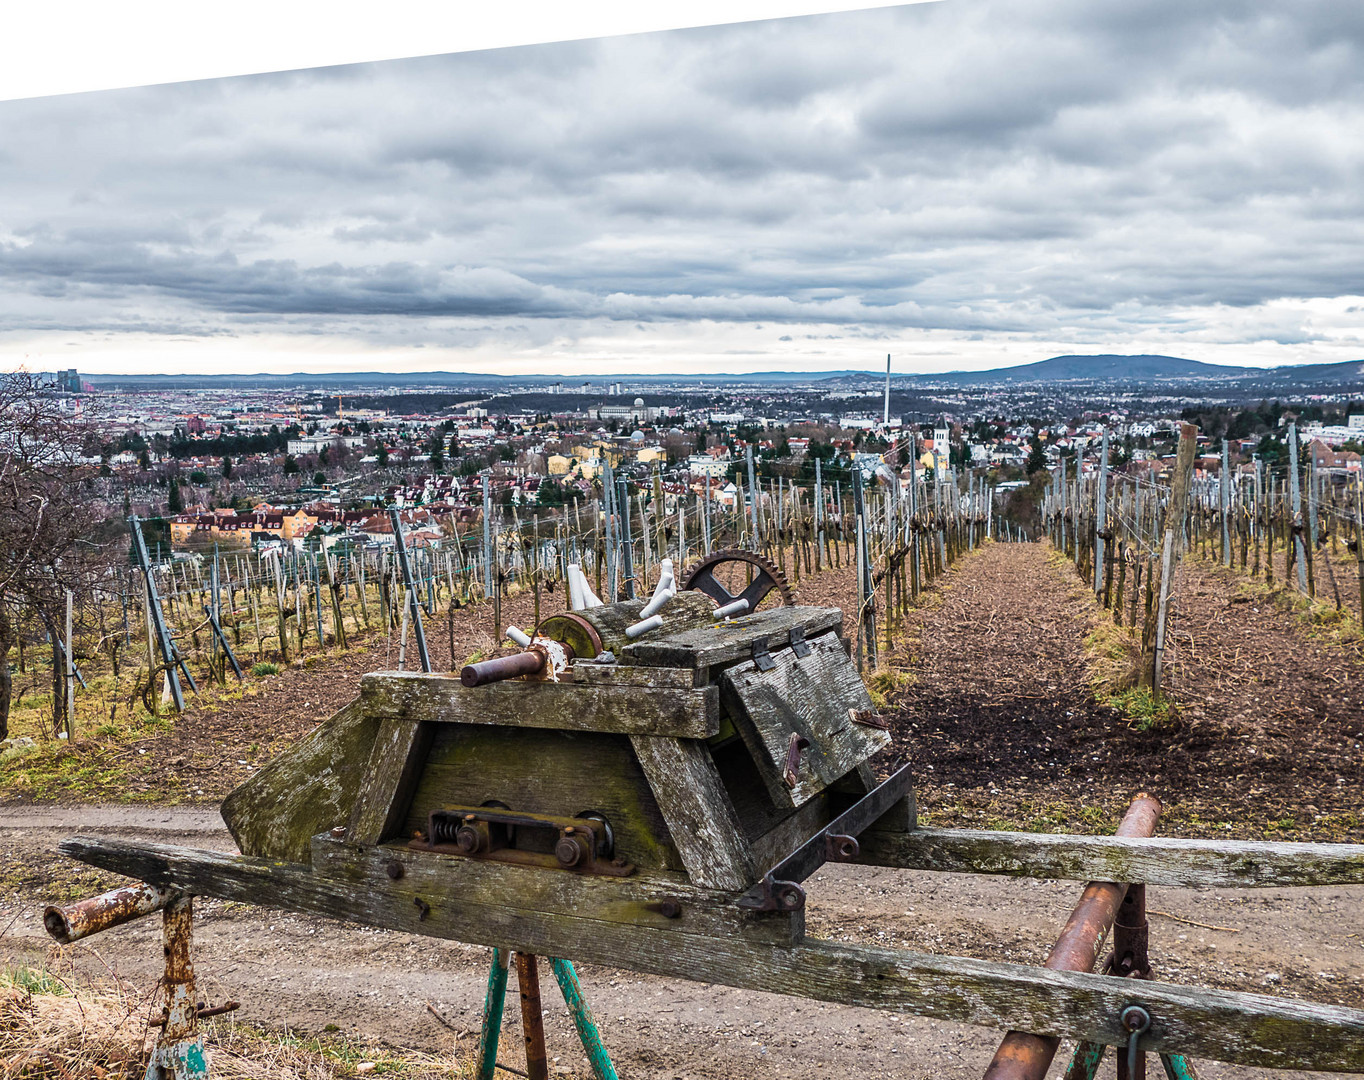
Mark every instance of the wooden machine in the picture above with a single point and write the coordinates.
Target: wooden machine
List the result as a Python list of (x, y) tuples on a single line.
[(648, 784)]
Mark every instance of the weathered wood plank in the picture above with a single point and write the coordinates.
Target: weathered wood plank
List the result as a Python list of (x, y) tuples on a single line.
[(726, 642), (565, 773), (309, 789), (639, 899), (807, 696), (556, 706), (685, 611), (589, 674), (1249, 1029), (701, 819), (394, 765), (1152, 860)]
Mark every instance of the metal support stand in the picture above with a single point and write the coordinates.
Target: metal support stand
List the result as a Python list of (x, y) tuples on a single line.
[(1130, 959), (170, 655), (179, 1053), (492, 1016), (410, 589), (527, 976)]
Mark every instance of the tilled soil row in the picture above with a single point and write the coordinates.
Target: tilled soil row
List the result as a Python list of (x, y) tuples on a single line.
[(1001, 724)]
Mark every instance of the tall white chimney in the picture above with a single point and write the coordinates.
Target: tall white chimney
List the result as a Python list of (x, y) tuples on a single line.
[(885, 419)]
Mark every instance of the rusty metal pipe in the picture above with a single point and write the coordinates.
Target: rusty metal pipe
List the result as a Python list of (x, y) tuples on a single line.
[(71, 922), (532, 1019), (501, 668), (1023, 1056)]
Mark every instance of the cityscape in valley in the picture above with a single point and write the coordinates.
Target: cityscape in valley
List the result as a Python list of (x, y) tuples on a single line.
[(267, 462)]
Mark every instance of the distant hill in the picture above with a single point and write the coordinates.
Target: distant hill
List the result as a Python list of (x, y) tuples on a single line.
[(1343, 374), (1104, 367)]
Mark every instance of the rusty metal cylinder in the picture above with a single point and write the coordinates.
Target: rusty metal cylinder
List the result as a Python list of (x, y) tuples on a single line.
[(71, 922), (501, 668), (1022, 1056)]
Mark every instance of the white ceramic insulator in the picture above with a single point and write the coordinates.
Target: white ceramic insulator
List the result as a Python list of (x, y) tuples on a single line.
[(731, 609), (644, 626), (575, 591), (656, 603), (519, 636), (590, 599)]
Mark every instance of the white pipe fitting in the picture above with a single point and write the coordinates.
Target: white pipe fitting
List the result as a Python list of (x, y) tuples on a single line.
[(519, 636), (736, 608), (643, 626)]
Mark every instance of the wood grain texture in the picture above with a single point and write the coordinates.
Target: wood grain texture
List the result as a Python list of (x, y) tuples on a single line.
[(306, 790), (588, 674), (636, 899), (1249, 1029), (1152, 860), (809, 696), (394, 765), (701, 819), (564, 773), (556, 706), (730, 641)]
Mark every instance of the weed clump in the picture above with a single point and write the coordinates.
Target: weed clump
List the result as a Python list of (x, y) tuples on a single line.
[(1143, 710)]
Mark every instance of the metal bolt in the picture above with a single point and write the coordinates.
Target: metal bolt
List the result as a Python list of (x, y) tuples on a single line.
[(569, 850), (395, 870), (339, 832), (670, 908)]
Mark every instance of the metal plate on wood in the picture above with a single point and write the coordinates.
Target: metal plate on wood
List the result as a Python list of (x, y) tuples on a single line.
[(810, 699)]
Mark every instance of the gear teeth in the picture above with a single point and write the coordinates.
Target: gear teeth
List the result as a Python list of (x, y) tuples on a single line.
[(727, 555)]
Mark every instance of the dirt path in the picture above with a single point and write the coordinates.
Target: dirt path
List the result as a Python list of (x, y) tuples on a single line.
[(303, 973), (1001, 724)]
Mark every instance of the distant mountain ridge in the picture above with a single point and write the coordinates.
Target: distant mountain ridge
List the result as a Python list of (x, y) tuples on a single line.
[(1142, 369), (1101, 367)]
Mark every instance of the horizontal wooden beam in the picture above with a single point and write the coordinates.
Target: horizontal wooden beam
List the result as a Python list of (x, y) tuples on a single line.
[(586, 673), (1152, 860), (559, 706), (663, 900), (1245, 1028), (724, 642)]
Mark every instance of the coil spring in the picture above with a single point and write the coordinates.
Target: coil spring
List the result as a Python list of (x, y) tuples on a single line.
[(443, 828)]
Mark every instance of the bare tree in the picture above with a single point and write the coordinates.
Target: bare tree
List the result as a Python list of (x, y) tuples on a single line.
[(46, 520)]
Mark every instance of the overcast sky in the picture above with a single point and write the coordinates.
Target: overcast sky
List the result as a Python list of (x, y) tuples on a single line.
[(964, 184)]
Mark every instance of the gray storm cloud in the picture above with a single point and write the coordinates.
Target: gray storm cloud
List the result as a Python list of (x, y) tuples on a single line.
[(974, 167)]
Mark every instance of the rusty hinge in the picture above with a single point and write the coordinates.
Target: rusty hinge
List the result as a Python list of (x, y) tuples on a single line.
[(868, 717), (799, 645), (790, 773), (762, 659)]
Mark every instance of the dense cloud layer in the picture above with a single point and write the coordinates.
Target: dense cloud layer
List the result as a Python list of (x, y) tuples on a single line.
[(944, 178)]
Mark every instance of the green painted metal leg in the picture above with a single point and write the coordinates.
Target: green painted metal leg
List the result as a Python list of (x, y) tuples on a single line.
[(1178, 1067), (492, 1015), (600, 1060), (1085, 1064)]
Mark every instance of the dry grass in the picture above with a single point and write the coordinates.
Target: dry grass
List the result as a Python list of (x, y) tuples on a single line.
[(49, 1030), (52, 1028)]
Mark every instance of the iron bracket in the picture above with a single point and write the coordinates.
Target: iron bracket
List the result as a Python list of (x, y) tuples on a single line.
[(799, 645), (780, 890), (762, 659)]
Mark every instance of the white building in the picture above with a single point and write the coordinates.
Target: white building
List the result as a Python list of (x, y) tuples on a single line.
[(315, 444), (705, 465)]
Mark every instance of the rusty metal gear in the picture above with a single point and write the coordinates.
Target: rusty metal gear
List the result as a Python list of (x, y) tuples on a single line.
[(702, 576)]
